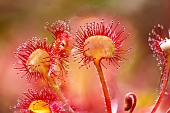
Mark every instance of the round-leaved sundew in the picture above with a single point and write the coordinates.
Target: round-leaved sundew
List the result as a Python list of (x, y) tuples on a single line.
[(37, 59), (34, 58), (43, 101), (97, 41), (60, 47), (160, 45), (61, 31)]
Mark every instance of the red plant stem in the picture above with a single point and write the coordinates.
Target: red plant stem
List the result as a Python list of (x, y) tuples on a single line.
[(165, 82), (104, 85), (60, 95)]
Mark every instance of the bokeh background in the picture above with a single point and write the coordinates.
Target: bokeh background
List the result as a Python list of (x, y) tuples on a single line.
[(22, 19)]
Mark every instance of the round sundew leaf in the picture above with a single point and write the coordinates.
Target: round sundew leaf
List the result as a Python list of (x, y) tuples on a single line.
[(37, 62), (39, 106), (99, 47)]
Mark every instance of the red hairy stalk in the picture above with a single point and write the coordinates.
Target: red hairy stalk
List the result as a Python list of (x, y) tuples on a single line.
[(162, 93), (104, 86)]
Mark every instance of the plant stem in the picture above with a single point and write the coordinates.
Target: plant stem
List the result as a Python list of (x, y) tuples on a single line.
[(161, 95), (59, 95), (104, 85)]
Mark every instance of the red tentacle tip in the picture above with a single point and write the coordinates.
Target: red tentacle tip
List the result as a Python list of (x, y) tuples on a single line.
[(130, 102)]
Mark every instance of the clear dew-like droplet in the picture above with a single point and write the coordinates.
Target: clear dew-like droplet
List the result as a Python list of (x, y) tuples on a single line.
[(149, 39), (160, 68)]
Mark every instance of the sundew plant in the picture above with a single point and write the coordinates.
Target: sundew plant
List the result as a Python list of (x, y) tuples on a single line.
[(96, 43)]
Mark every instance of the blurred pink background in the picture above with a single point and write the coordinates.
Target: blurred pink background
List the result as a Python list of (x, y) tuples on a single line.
[(22, 19)]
